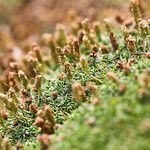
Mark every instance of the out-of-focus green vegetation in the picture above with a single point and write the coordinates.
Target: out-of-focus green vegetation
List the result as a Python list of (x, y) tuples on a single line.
[(10, 2)]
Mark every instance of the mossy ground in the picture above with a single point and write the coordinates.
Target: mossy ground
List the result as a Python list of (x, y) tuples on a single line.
[(114, 72), (118, 121)]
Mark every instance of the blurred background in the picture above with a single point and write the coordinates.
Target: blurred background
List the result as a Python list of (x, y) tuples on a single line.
[(23, 21)]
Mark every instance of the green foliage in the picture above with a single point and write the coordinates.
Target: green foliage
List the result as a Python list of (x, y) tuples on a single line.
[(10, 2), (32, 145), (19, 128), (118, 121), (100, 81)]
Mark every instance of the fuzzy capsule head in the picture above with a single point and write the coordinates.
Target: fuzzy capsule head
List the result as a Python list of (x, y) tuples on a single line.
[(122, 88), (54, 94), (68, 70), (37, 83), (135, 11), (107, 25), (13, 66), (39, 122), (126, 68), (95, 48), (12, 106), (120, 18), (92, 37), (80, 36), (91, 121), (125, 33), (47, 38), (45, 127), (142, 92), (60, 27), (33, 108), (44, 139), (48, 110), (112, 76), (93, 88), (12, 79), (11, 76), (85, 24), (134, 3), (84, 63), (32, 61), (131, 44), (96, 101), (59, 50), (75, 26), (60, 54), (128, 22), (4, 115), (77, 86), (72, 15), (131, 61), (104, 49), (40, 113), (49, 115), (144, 80), (12, 94), (5, 144), (34, 45), (19, 146), (96, 27), (37, 52), (76, 45), (113, 41), (76, 49), (23, 78), (86, 42), (61, 76), (147, 55), (4, 98), (143, 24), (11, 91), (66, 50), (85, 39), (78, 91), (24, 93), (93, 54), (60, 35), (120, 64)]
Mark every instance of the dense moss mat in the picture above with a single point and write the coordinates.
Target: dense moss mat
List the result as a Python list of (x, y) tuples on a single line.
[(91, 92), (119, 122), (20, 128)]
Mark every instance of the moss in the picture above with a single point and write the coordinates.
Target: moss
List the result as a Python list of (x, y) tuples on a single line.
[(100, 96), (117, 121)]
